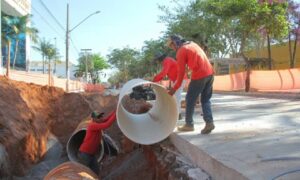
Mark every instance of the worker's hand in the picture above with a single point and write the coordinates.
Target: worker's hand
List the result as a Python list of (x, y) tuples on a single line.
[(171, 91)]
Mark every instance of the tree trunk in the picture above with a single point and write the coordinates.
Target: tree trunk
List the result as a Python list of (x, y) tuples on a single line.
[(54, 66), (16, 52), (294, 52), (43, 64), (290, 49), (49, 73), (269, 52), (8, 59), (248, 72), (248, 64)]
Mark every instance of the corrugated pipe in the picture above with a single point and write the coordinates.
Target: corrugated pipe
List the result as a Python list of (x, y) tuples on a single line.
[(71, 170)]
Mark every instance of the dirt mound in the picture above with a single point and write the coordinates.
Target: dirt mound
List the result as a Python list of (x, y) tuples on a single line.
[(24, 109), (70, 109), (29, 113)]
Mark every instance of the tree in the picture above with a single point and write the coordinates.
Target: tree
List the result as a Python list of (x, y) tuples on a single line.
[(294, 30), (95, 64), (193, 22), (122, 59), (272, 19), (8, 33), (43, 47), (150, 48), (21, 24), (50, 53)]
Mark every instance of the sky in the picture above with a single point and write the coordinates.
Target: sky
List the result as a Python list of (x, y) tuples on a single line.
[(120, 23)]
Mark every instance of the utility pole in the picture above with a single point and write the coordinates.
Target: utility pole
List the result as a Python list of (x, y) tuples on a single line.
[(86, 62), (68, 31), (55, 58), (1, 62), (67, 50)]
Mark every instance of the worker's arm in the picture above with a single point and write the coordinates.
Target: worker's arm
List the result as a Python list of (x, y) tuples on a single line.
[(163, 73), (181, 62), (98, 126), (108, 117)]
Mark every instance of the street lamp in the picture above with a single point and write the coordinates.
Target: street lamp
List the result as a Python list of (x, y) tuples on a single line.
[(86, 63), (68, 31)]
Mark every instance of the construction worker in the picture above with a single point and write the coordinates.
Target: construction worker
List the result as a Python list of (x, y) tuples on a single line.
[(191, 55), (169, 69), (91, 142)]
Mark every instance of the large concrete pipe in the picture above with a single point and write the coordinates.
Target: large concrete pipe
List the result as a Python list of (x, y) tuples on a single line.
[(108, 146), (76, 140), (153, 126), (71, 170)]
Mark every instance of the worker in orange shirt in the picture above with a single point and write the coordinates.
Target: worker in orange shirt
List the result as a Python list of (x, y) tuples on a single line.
[(169, 69), (91, 142), (191, 55)]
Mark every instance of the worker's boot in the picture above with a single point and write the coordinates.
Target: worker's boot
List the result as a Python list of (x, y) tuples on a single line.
[(186, 128), (208, 128)]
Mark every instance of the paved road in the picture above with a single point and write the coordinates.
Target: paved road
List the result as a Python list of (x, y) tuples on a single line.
[(255, 138)]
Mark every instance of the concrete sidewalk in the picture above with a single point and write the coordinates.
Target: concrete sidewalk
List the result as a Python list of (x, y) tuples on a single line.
[(255, 138)]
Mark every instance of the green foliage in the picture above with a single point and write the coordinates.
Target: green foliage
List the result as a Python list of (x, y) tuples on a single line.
[(226, 27), (124, 60), (134, 64), (95, 63), (47, 50), (220, 27)]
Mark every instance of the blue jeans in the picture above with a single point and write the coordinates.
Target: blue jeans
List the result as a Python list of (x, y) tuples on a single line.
[(196, 87), (89, 161)]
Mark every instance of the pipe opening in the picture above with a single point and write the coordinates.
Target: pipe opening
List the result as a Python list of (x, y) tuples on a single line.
[(139, 100), (74, 143), (150, 125)]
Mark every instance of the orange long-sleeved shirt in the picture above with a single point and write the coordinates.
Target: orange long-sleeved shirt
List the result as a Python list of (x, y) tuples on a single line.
[(169, 68), (91, 141), (194, 57)]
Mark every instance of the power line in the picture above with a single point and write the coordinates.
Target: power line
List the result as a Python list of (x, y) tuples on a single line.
[(48, 23), (73, 44), (59, 24)]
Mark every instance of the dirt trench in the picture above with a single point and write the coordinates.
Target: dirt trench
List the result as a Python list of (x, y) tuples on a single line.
[(37, 121)]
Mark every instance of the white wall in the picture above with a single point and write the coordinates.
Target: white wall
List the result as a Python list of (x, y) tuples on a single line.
[(37, 67)]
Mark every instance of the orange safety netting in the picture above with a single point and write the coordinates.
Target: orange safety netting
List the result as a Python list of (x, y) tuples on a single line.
[(287, 79), (273, 80), (231, 82)]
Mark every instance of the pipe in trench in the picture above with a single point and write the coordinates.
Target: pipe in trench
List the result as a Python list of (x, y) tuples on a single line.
[(147, 128), (71, 170), (108, 146)]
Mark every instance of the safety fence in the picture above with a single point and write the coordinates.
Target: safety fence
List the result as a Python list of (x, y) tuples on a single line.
[(93, 88), (271, 80)]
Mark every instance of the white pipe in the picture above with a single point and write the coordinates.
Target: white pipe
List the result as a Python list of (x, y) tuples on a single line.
[(155, 125)]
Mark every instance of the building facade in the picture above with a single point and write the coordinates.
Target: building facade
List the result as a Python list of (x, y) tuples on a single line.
[(58, 69), (16, 8)]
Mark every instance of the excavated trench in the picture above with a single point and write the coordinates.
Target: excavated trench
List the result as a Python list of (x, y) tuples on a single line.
[(40, 130)]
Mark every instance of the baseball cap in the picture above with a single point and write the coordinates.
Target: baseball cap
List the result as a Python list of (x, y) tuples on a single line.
[(96, 114), (159, 56), (175, 39)]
